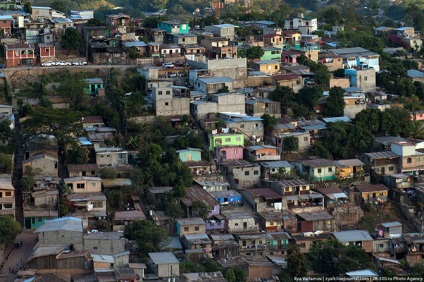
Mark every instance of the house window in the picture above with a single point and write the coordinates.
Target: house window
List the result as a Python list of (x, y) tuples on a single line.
[(271, 222), (305, 139), (7, 206), (237, 139), (330, 169), (235, 224), (80, 185), (185, 228), (196, 228), (47, 50), (246, 173), (319, 170), (302, 245), (8, 194), (390, 168), (276, 67), (227, 139), (160, 92), (168, 92), (409, 160), (166, 103), (97, 205), (48, 37), (241, 125), (256, 172)]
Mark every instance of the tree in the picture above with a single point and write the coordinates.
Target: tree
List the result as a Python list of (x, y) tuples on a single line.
[(235, 274), (63, 124), (96, 22), (107, 173), (200, 209), (58, 6), (71, 40), (9, 229), (335, 103), (320, 151), (6, 164), (27, 7), (283, 94), (27, 181), (290, 143), (77, 155), (331, 14), (149, 237), (5, 131), (254, 52), (333, 258), (73, 90), (268, 121), (309, 96), (295, 261)]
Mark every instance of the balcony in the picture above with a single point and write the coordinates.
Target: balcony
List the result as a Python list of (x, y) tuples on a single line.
[(243, 229)]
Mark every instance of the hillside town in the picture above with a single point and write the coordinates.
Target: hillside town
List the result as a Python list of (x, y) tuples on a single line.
[(213, 149)]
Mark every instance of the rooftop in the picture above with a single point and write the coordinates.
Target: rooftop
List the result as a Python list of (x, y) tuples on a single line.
[(294, 182), (382, 155), (61, 224), (238, 164), (82, 167), (266, 193), (93, 119), (225, 194), (276, 164), (371, 187), (352, 235), (391, 224), (219, 79), (318, 215), (348, 163), (317, 163), (129, 215), (198, 194), (6, 183), (163, 258), (190, 221)]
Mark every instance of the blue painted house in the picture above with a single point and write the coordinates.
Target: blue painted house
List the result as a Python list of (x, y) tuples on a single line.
[(227, 197), (174, 27), (190, 155)]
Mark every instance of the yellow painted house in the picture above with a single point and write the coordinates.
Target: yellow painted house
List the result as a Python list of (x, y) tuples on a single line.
[(349, 168)]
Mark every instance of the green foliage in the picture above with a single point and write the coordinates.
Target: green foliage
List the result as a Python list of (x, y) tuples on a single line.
[(331, 14), (206, 264), (332, 258), (134, 53), (5, 131), (63, 207), (58, 6), (6, 163), (361, 38), (73, 90), (235, 274), (295, 261), (27, 7), (107, 173), (71, 40), (149, 237), (254, 52), (268, 121), (224, 89), (61, 123), (8, 92), (200, 209), (76, 154), (103, 226), (95, 22), (335, 103), (309, 96), (290, 143), (27, 181), (9, 229), (320, 151)]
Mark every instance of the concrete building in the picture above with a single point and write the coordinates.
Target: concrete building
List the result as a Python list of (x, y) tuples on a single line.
[(225, 139), (259, 107), (61, 232), (111, 156), (251, 127), (362, 77), (164, 264), (212, 85), (305, 24), (269, 67), (84, 184), (359, 238), (263, 199), (317, 170), (7, 197), (194, 225), (222, 30), (242, 174), (46, 163), (105, 243), (240, 220), (356, 56), (216, 103)]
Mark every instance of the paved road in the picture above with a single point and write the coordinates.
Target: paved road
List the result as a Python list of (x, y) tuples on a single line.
[(18, 257)]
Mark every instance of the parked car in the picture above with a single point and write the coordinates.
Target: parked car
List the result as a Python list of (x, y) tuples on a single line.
[(168, 65), (62, 63), (2, 66), (79, 63), (48, 64)]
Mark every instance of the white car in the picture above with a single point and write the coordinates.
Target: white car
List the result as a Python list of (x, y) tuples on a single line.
[(48, 64), (168, 65), (79, 63), (61, 63)]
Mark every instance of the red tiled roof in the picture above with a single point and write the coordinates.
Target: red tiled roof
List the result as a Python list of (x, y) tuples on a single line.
[(280, 77), (82, 167), (19, 46), (93, 119), (270, 35)]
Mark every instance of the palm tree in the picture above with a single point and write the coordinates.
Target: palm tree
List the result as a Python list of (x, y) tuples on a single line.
[(417, 130)]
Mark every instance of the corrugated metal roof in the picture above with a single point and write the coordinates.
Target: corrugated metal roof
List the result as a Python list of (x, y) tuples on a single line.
[(365, 273), (391, 224), (382, 155), (61, 224), (219, 79), (352, 235), (163, 258)]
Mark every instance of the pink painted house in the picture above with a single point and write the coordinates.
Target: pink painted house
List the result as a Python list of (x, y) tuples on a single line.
[(290, 56), (419, 115), (228, 153)]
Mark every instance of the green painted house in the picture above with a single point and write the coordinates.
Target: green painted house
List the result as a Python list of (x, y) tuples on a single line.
[(174, 27), (318, 169), (225, 139), (190, 155), (35, 218), (271, 53), (93, 86)]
